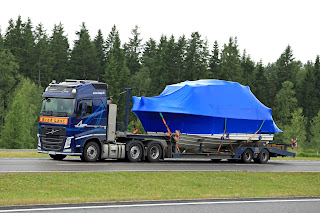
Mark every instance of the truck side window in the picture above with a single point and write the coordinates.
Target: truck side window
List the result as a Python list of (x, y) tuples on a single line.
[(88, 107), (79, 109)]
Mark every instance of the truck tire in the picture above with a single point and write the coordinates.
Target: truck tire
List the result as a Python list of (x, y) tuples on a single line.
[(134, 152), (58, 157), (263, 157), (154, 153), (246, 156), (91, 152)]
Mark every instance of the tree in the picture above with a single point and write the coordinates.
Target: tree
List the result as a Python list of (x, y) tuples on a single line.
[(9, 77), (214, 62), (1, 40), (59, 47), (117, 73), (28, 51), (296, 128), (287, 67), (285, 104), (259, 85), (315, 133), (133, 50), (44, 62), (230, 63), (248, 67), (309, 99), (21, 122), (100, 52), (83, 62), (197, 58)]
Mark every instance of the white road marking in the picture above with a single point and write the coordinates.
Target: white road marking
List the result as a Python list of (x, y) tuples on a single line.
[(160, 204)]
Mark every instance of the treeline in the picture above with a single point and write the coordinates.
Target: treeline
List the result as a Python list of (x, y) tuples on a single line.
[(30, 58)]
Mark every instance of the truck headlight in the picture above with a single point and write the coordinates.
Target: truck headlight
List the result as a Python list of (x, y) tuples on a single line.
[(68, 143)]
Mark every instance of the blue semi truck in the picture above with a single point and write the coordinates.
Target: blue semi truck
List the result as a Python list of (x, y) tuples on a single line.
[(77, 118)]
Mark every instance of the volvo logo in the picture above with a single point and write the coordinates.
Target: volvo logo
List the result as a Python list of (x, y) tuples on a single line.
[(52, 132)]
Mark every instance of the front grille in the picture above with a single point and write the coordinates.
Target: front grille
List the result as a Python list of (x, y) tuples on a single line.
[(52, 138)]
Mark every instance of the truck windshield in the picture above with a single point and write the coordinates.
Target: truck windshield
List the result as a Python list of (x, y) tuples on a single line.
[(57, 106)]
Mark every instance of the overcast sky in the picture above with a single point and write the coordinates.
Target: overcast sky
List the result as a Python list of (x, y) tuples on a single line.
[(263, 27)]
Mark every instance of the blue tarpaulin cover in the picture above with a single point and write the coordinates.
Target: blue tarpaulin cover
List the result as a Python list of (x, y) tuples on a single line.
[(205, 107)]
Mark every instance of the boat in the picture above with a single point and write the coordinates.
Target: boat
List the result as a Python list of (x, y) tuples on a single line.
[(205, 107)]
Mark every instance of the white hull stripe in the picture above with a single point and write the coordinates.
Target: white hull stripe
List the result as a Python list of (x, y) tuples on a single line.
[(86, 136)]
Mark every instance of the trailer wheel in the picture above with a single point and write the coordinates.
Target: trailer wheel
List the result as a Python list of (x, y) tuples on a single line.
[(91, 152), (134, 152), (247, 156), (58, 157), (263, 157), (154, 153)]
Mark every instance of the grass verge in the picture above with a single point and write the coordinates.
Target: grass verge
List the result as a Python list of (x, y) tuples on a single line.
[(9, 154), (50, 188)]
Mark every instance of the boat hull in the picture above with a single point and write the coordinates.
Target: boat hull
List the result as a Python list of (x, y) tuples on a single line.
[(195, 124)]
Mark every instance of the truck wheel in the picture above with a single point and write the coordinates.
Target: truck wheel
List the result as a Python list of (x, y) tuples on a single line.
[(58, 157), (263, 157), (154, 153), (247, 156), (134, 152), (91, 152)]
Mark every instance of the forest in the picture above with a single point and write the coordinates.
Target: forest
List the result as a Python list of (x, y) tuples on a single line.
[(30, 58)]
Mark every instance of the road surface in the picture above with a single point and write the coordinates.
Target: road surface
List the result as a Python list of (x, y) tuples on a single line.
[(292, 205), (75, 165)]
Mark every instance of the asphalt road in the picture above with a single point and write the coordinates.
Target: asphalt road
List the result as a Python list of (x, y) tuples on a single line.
[(75, 165), (232, 205)]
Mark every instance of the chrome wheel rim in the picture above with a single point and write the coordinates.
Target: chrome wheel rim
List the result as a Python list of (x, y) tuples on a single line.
[(154, 152), (135, 152), (92, 152)]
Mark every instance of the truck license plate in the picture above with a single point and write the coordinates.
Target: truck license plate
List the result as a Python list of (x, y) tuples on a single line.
[(51, 153)]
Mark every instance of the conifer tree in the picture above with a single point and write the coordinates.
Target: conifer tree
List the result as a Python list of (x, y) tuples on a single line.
[(44, 62), (100, 52), (181, 51), (1, 41), (197, 58), (259, 86), (83, 62), (215, 62), (59, 47), (248, 67), (133, 51), (287, 67), (117, 73), (230, 63)]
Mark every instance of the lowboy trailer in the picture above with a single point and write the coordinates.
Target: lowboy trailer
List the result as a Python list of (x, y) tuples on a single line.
[(77, 119)]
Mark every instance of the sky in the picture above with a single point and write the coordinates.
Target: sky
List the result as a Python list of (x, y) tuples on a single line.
[(263, 27)]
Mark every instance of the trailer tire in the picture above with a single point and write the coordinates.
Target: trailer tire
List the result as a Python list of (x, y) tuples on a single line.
[(154, 153), (246, 156), (263, 157), (91, 152), (134, 152), (58, 157)]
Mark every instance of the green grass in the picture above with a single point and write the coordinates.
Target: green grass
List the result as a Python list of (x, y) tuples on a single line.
[(49, 188), (23, 154)]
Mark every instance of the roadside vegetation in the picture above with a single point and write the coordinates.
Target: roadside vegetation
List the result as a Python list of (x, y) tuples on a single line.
[(50, 188)]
